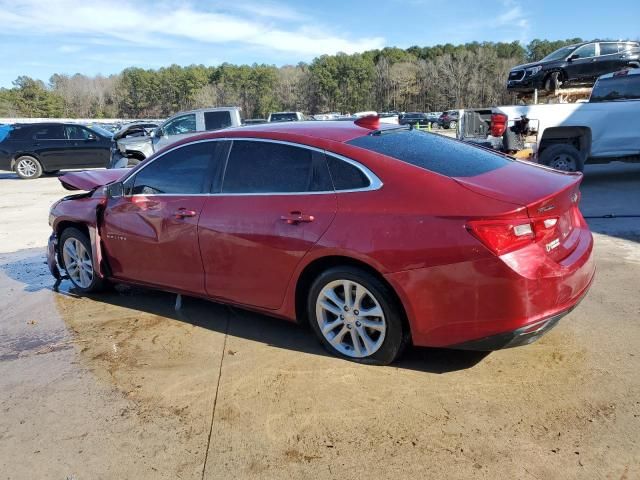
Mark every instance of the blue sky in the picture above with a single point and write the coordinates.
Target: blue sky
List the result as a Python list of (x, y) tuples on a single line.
[(42, 37)]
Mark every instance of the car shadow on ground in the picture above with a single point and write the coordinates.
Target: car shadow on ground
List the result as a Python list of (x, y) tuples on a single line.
[(28, 268)]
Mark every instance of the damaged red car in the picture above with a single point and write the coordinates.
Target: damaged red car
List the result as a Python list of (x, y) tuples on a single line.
[(377, 236)]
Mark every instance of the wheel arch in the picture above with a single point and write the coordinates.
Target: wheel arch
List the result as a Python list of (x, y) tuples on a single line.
[(579, 137), (17, 155), (314, 268)]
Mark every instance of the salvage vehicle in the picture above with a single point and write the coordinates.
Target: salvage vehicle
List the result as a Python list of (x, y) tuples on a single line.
[(567, 136), (377, 235), (31, 149), (130, 151), (135, 129), (577, 64)]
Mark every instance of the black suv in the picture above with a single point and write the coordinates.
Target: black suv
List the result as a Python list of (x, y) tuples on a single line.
[(36, 148), (576, 64)]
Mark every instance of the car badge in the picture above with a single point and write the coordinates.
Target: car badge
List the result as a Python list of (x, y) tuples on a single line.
[(574, 197), (554, 244), (546, 208)]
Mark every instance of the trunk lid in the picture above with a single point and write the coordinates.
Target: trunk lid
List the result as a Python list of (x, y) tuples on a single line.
[(550, 197), (91, 179)]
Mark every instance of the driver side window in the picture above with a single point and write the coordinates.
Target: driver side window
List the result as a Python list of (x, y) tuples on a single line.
[(183, 171), (586, 51), (180, 125)]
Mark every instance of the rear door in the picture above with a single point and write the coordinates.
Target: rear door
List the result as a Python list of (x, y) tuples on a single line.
[(273, 204), (151, 233), (51, 146), (86, 148), (586, 65)]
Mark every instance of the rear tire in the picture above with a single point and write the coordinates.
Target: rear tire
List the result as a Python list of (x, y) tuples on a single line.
[(77, 261), (563, 157), (453, 125), (28, 167), (364, 325)]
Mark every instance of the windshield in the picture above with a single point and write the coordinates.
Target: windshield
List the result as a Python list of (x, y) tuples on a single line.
[(616, 89), (101, 131), (559, 54)]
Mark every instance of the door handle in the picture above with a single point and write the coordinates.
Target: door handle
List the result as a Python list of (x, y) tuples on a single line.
[(183, 213), (294, 218)]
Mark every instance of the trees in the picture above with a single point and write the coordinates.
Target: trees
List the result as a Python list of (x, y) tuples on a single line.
[(431, 78)]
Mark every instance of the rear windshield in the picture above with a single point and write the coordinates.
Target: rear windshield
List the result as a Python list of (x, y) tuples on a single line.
[(432, 152), (616, 89)]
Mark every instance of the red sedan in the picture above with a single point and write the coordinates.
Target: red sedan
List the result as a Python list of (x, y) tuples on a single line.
[(376, 235)]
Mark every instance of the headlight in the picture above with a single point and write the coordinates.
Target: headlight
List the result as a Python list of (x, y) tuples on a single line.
[(534, 70)]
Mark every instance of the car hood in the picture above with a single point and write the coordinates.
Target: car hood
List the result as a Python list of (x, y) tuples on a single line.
[(91, 179), (529, 65)]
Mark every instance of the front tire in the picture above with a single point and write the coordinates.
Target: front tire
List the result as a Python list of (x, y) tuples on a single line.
[(563, 157), (356, 316), (77, 261), (28, 167)]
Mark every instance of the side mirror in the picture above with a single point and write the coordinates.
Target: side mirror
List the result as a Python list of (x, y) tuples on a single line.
[(573, 57), (92, 137), (158, 133), (115, 190)]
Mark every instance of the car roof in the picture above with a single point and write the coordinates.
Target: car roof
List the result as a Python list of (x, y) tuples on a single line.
[(334, 130)]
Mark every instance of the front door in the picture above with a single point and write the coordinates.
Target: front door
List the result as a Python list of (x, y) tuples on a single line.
[(275, 202), (585, 65), (151, 233)]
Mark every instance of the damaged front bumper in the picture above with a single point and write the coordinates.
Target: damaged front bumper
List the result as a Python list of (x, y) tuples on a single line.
[(52, 257)]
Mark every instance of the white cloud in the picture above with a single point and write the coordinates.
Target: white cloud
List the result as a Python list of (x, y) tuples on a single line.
[(159, 24)]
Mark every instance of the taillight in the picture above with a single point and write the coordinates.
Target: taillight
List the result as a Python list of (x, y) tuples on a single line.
[(502, 236), (498, 124)]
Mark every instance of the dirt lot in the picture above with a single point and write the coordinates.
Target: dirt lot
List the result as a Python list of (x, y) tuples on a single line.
[(123, 386)]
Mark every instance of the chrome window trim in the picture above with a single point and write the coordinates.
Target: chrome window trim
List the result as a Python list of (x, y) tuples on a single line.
[(374, 182)]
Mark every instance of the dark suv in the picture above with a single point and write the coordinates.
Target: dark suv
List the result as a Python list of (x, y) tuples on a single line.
[(449, 119), (576, 64), (412, 118), (36, 148)]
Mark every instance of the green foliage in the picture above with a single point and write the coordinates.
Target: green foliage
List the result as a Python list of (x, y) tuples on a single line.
[(438, 77)]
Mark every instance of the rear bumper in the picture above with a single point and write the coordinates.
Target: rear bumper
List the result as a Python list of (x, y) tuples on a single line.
[(493, 302), (519, 337)]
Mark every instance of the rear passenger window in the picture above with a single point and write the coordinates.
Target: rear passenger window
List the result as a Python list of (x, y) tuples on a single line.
[(216, 120), (346, 176), (49, 132), (266, 167), (184, 170), (608, 48)]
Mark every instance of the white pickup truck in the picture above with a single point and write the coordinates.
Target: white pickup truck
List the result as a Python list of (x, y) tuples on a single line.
[(566, 136), (132, 150)]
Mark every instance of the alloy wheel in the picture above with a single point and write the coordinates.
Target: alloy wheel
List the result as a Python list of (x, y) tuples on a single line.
[(350, 318), (27, 167), (77, 262)]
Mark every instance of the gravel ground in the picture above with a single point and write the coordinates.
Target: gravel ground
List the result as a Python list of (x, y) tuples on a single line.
[(121, 385)]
